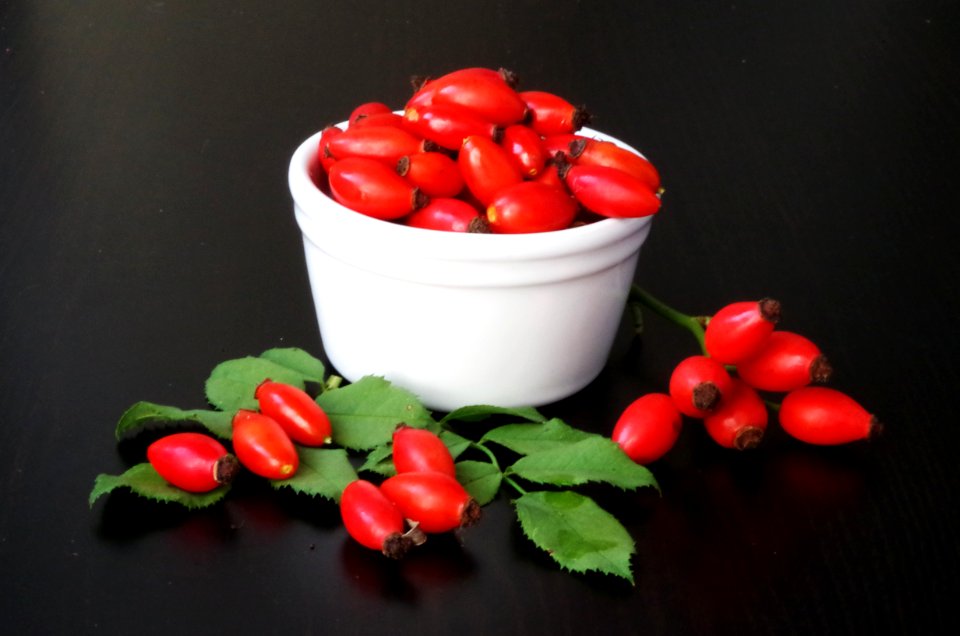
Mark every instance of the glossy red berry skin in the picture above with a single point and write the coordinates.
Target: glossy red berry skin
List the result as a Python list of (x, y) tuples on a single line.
[(436, 174), (373, 188), (295, 411), (551, 114), (192, 461), (698, 385), (523, 145), (530, 206), (825, 416), (449, 215), (487, 169), (378, 119), (561, 143), (447, 125), (784, 362), (738, 330), (365, 110), (323, 147), (436, 501), (483, 92), (610, 192), (420, 450), (598, 152), (373, 520), (263, 447), (740, 419), (648, 427), (386, 143)]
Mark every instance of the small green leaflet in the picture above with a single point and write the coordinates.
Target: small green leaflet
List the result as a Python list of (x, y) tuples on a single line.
[(577, 533), (456, 444), (593, 459), (532, 438), (481, 479), (144, 480), (231, 384), (364, 414), (323, 471), (379, 461), (309, 367), (143, 414), (478, 412)]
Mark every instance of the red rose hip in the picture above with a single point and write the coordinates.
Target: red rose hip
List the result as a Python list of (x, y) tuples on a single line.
[(824, 416), (530, 206), (420, 450), (374, 521), (784, 362), (437, 502), (648, 428), (738, 330), (192, 461), (698, 384), (373, 188), (263, 447), (740, 420), (295, 411)]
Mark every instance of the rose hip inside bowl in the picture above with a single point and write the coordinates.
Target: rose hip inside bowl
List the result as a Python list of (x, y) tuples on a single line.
[(489, 270)]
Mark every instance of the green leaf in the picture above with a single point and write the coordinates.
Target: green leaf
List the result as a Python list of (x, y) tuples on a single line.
[(144, 480), (478, 412), (380, 461), (594, 459), (364, 414), (577, 533), (143, 414), (481, 479), (231, 384), (323, 471), (456, 444), (309, 367), (533, 438)]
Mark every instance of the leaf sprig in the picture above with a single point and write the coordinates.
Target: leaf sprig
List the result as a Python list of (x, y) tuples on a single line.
[(547, 457)]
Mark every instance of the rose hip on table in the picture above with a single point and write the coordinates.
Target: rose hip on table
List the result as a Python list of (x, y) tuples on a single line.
[(192, 461), (470, 135), (745, 357)]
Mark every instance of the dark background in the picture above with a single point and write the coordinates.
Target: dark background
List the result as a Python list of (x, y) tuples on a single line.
[(147, 233)]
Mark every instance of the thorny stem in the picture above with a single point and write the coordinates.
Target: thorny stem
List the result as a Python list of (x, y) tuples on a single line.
[(694, 324)]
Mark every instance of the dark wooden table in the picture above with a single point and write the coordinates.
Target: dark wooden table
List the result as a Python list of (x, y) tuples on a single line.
[(147, 233)]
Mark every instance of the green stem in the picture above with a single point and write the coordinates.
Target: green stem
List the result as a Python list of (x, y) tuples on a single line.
[(493, 460), (486, 451), (515, 485), (693, 324)]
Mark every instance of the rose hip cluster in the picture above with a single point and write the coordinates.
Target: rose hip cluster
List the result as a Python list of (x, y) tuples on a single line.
[(424, 497), (263, 442), (471, 153), (746, 356)]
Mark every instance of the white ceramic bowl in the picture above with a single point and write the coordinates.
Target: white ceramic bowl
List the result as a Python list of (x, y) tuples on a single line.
[(460, 319)]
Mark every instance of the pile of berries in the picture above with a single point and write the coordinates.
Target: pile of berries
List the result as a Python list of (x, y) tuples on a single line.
[(745, 356), (424, 497), (471, 153), (263, 442)]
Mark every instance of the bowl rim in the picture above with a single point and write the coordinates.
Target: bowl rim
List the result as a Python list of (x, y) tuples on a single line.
[(315, 211)]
